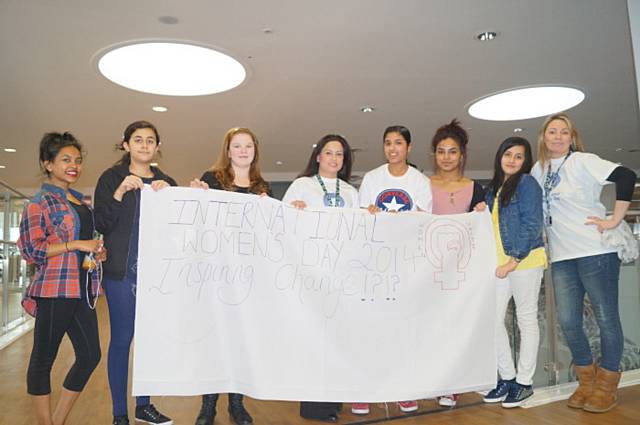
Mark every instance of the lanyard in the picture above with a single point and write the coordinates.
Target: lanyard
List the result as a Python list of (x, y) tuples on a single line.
[(329, 201), (551, 180)]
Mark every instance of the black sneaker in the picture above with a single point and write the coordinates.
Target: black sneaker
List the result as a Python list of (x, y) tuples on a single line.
[(150, 415), (120, 420), (518, 394), (500, 392)]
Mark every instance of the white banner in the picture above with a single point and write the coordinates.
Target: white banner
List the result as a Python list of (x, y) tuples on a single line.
[(238, 293)]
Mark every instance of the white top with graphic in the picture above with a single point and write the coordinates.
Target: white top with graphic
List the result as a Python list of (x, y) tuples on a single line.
[(574, 196), (308, 189), (391, 193)]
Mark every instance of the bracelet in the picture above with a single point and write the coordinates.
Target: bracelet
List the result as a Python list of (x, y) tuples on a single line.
[(66, 247)]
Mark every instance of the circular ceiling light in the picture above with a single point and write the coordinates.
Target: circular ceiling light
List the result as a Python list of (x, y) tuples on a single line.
[(171, 68), (159, 108), (525, 102)]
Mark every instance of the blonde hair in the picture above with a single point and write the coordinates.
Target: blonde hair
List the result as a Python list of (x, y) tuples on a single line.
[(223, 171), (576, 144)]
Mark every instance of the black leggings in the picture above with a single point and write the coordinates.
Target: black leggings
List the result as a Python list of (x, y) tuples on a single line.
[(54, 318)]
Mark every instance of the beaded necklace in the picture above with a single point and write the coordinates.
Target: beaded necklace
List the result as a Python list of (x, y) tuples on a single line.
[(327, 197)]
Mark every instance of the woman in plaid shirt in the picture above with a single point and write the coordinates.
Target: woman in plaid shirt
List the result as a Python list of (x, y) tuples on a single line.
[(56, 232)]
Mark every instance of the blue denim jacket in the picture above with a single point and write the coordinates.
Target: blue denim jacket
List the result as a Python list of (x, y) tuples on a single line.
[(521, 221)]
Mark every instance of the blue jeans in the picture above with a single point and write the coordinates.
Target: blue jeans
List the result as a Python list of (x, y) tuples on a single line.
[(597, 276), (121, 299)]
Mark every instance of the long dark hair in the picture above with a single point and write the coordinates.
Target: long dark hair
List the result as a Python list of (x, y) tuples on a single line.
[(313, 166), (128, 132), (509, 186)]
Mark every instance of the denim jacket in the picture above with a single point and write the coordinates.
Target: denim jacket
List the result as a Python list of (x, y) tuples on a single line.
[(521, 220)]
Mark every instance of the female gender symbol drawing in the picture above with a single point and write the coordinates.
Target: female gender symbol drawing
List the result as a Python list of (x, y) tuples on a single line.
[(448, 248)]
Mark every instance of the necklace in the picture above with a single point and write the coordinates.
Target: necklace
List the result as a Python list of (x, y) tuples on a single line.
[(551, 180), (447, 182), (332, 202)]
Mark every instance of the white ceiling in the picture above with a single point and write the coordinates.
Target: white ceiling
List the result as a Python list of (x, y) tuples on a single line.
[(416, 61)]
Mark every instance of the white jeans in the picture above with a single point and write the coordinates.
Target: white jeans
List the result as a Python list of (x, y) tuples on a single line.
[(524, 286)]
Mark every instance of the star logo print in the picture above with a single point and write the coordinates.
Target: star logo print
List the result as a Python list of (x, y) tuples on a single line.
[(394, 205), (394, 200)]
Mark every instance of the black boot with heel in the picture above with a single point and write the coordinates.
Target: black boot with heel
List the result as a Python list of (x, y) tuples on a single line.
[(238, 413), (208, 410)]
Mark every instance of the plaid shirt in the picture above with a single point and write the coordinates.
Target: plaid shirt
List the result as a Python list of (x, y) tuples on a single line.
[(49, 219)]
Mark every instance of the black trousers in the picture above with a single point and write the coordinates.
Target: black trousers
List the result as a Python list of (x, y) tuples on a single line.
[(54, 318)]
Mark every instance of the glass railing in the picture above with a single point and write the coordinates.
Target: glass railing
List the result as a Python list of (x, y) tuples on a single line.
[(14, 273)]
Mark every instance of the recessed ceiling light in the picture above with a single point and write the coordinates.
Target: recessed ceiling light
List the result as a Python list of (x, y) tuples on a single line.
[(279, 162), (367, 109), (154, 164), (169, 20), (518, 130), (10, 150), (315, 145), (160, 109), (175, 69), (2, 166), (486, 36), (619, 149), (525, 102)]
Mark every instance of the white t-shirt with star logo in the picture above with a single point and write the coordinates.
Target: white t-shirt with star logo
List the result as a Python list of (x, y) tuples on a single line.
[(308, 189), (390, 193)]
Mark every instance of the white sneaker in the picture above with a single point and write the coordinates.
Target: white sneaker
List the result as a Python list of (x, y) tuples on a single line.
[(448, 400)]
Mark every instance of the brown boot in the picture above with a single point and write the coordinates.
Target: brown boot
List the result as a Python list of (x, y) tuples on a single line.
[(586, 379), (605, 392)]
